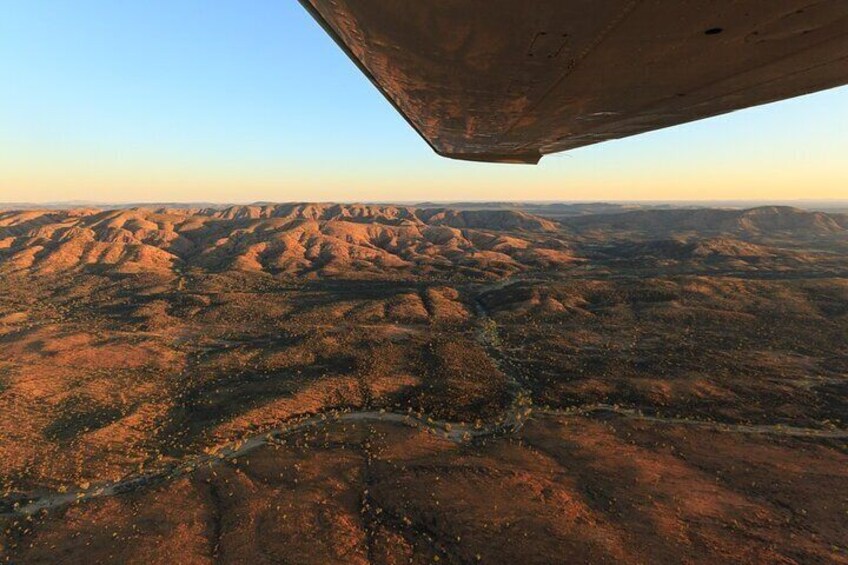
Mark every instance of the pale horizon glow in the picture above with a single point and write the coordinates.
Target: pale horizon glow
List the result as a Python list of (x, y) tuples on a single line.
[(189, 101)]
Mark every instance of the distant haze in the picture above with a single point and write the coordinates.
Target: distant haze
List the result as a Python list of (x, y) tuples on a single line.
[(190, 101), (545, 207)]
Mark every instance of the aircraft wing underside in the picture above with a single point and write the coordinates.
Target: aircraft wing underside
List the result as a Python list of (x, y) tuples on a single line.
[(513, 80)]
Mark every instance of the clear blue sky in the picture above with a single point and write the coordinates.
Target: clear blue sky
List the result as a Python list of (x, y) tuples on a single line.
[(250, 100)]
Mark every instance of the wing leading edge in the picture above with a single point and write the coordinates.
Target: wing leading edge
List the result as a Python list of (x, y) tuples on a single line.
[(511, 80)]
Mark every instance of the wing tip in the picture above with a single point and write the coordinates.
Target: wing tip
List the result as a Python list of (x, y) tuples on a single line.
[(527, 158)]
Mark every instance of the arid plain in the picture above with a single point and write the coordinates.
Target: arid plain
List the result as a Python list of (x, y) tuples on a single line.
[(317, 383)]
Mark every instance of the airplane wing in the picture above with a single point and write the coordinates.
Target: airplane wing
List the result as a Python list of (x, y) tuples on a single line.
[(513, 80)]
